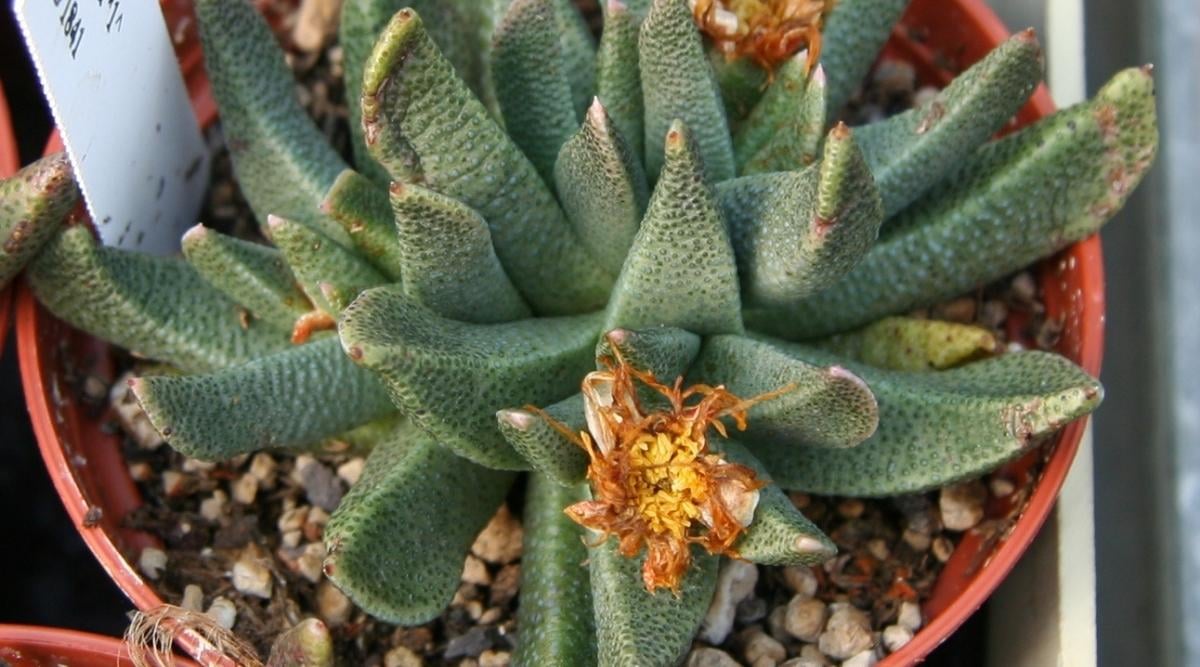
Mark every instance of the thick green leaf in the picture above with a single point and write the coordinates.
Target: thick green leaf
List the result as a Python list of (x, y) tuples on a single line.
[(411, 98), (779, 533), (156, 307), (449, 263), (289, 399), (283, 163), (579, 53), (529, 73), (602, 187), (254, 275), (328, 273), (741, 81), (829, 407), (678, 84), (361, 207), (938, 428), (635, 628), (397, 542), (910, 152), (618, 76), (34, 202), (911, 344), (451, 377), (681, 270), (1016, 200), (460, 28), (785, 129), (555, 613), (854, 32), (795, 233)]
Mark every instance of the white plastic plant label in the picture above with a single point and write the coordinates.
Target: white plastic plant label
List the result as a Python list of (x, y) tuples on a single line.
[(117, 95)]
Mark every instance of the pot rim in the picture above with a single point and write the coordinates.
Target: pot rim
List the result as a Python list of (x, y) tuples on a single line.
[(1073, 286), (46, 642), (10, 161)]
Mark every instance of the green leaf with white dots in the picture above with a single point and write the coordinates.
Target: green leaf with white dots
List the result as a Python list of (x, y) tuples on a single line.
[(451, 377), (555, 611), (449, 263), (398, 540), (157, 307), (328, 273), (361, 207), (938, 428), (289, 399), (618, 77), (785, 129), (681, 270), (678, 84), (282, 161), (412, 98)]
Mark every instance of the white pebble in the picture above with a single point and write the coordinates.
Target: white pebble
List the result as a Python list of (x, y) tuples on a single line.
[(292, 519), (174, 483), (262, 468), (193, 598), (493, 658), (223, 611), (213, 507), (152, 562), (909, 616), (800, 580), (705, 656), (311, 563), (865, 658), (734, 584), (895, 637), (805, 618), (962, 505), (847, 633), (332, 606), (475, 572), (251, 577), (761, 647), (351, 470), (244, 489), (291, 539), (402, 656)]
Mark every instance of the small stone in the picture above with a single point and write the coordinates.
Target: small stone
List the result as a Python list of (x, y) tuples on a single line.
[(800, 499), (251, 577), (924, 95), (491, 616), (961, 310), (805, 618), (705, 656), (292, 519), (292, 538), (734, 584), (865, 658), (475, 641), (942, 548), (505, 585), (262, 468), (321, 485), (152, 562), (244, 489), (851, 508), (314, 525), (213, 507), (804, 662), (174, 483), (895, 637), (879, 549), (351, 470), (962, 505), (311, 562), (909, 616), (500, 540), (994, 314), (847, 633), (141, 471), (800, 580), (491, 658), (94, 389), (316, 21), (1023, 287), (474, 609), (916, 539), (1002, 487), (402, 656), (777, 623), (476, 572), (332, 605), (751, 610), (895, 76), (193, 598), (418, 639), (811, 652), (760, 647), (196, 466), (131, 416), (223, 611)]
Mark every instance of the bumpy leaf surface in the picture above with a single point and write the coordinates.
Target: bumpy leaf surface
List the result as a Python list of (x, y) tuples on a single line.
[(157, 307), (328, 273), (854, 32), (34, 202), (618, 76), (451, 377), (288, 399), (397, 542), (361, 207), (1017, 200), (938, 428), (412, 99), (785, 129)]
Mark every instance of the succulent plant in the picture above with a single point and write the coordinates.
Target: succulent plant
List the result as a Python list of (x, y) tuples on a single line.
[(543, 232)]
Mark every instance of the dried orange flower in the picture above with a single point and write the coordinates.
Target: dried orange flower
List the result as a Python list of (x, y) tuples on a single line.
[(766, 31), (655, 482)]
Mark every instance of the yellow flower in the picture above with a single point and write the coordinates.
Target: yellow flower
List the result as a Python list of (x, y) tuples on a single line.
[(655, 482), (767, 31)]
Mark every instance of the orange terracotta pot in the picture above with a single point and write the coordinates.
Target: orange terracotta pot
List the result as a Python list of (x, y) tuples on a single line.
[(940, 37), (29, 646), (10, 161)]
